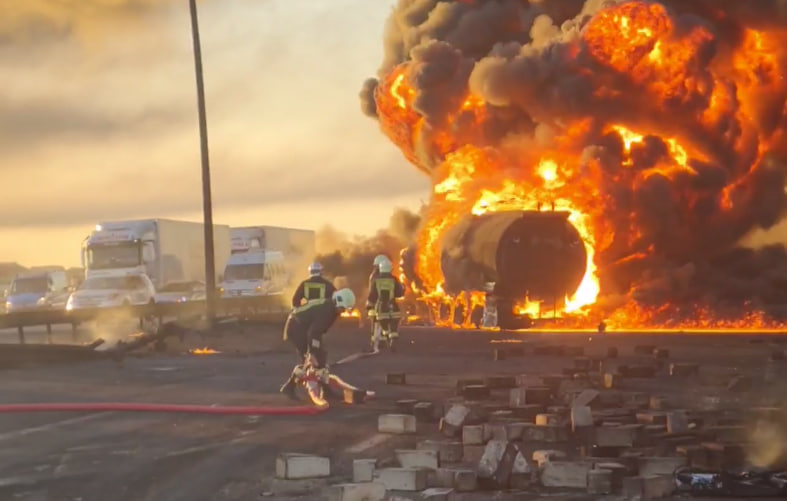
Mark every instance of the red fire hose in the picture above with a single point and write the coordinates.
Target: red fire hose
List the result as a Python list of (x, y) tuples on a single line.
[(303, 410)]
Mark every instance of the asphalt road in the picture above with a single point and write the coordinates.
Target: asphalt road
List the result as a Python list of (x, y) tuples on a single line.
[(147, 457)]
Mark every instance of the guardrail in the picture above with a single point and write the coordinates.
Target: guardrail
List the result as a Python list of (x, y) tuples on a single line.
[(268, 307)]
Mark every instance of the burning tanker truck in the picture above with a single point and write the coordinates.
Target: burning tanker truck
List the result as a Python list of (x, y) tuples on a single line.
[(508, 256), (657, 128)]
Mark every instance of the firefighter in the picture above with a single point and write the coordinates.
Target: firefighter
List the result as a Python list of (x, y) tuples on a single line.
[(383, 293), (313, 288), (305, 329), (378, 260)]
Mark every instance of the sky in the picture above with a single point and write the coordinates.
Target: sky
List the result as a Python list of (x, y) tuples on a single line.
[(98, 118)]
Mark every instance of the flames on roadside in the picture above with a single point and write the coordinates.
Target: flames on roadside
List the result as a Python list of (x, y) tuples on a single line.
[(204, 351), (659, 126)]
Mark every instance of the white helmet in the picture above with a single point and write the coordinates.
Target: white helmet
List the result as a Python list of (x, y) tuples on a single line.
[(385, 267), (315, 269), (344, 298), (380, 259)]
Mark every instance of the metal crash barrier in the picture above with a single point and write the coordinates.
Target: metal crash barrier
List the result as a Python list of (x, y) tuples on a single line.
[(263, 308)]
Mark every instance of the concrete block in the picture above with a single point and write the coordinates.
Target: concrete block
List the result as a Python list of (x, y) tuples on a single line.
[(581, 417), (520, 481), (363, 470), (294, 466), (585, 398), (637, 371), (617, 471), (437, 494), (396, 423), (458, 479), (648, 487), (636, 400), (548, 419), (500, 461), (447, 451), (409, 458), (552, 381), (566, 474), (543, 456), (425, 412), (548, 433), (677, 422), (402, 479), (501, 415), (405, 406), (458, 415), (725, 457), (500, 382), (599, 482), (473, 434), (476, 392), (684, 370), (472, 453), (582, 364), (541, 395), (462, 383), (728, 433), (398, 379), (659, 465), (366, 491), (616, 436), (527, 412), (652, 417), (658, 403)]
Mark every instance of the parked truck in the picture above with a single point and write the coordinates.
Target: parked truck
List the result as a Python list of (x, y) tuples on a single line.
[(279, 255), (166, 250)]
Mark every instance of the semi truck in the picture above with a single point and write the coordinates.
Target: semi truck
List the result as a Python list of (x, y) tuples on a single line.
[(277, 254), (166, 250)]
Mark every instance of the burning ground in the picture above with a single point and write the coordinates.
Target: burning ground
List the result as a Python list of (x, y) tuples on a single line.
[(658, 125)]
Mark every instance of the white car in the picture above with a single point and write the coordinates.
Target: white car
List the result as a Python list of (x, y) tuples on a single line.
[(112, 292), (181, 292)]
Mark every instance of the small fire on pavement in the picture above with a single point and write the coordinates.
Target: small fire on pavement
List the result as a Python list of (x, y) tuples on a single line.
[(351, 314), (203, 351)]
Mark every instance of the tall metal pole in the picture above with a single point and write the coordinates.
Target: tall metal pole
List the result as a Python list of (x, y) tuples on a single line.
[(207, 204)]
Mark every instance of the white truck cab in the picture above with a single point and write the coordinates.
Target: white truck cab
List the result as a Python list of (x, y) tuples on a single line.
[(254, 273)]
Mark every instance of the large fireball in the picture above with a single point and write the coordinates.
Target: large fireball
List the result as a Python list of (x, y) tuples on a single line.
[(658, 125)]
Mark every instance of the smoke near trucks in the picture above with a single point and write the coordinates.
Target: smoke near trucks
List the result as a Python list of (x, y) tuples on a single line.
[(347, 259)]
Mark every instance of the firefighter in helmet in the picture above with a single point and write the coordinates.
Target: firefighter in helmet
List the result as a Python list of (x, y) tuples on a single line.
[(305, 328), (383, 293), (378, 260), (314, 288)]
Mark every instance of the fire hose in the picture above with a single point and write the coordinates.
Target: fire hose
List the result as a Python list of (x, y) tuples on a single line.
[(304, 410)]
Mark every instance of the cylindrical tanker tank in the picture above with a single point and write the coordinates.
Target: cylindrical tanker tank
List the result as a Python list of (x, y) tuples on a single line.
[(534, 254)]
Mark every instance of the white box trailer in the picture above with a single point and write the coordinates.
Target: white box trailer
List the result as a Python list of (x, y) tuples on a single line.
[(166, 250), (298, 246)]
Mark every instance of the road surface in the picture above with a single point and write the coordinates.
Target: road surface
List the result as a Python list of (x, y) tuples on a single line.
[(152, 457)]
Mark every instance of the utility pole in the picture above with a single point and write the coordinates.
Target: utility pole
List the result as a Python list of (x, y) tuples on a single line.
[(207, 204)]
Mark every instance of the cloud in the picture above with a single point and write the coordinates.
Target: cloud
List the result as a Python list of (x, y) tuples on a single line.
[(100, 117)]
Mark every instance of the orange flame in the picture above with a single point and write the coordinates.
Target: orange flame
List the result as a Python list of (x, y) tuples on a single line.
[(637, 39), (204, 351), (351, 314)]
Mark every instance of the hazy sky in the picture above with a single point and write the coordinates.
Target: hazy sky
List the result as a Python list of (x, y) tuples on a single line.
[(98, 118)]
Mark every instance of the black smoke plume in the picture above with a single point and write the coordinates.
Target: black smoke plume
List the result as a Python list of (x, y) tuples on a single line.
[(542, 67)]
